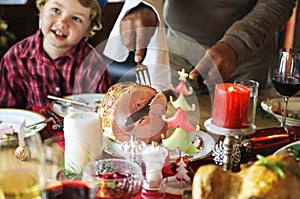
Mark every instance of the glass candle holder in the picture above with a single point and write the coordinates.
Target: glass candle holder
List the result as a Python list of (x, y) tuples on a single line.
[(154, 159)]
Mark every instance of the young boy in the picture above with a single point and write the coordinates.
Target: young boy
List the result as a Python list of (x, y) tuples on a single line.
[(56, 60)]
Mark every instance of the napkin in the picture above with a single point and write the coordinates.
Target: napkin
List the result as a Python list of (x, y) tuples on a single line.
[(83, 140)]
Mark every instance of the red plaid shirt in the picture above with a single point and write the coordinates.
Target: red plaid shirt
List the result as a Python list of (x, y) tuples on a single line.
[(28, 75)]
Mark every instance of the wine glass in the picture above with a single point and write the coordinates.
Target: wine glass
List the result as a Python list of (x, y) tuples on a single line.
[(286, 76), (59, 182), (22, 167)]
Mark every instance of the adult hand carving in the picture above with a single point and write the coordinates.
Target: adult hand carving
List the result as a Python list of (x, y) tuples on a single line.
[(137, 28)]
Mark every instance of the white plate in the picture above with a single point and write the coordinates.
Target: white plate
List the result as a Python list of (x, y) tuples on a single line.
[(271, 105), (282, 149), (114, 148), (87, 97), (15, 117)]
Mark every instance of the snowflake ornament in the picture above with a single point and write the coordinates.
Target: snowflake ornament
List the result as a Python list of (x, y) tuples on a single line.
[(218, 154)]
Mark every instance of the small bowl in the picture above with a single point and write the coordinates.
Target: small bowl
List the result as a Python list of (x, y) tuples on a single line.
[(114, 178)]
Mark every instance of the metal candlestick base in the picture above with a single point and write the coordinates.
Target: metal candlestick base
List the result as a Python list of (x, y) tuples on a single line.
[(230, 139), (228, 149), (242, 150), (226, 131)]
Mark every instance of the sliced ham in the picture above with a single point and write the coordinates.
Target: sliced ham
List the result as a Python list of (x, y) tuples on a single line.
[(124, 99)]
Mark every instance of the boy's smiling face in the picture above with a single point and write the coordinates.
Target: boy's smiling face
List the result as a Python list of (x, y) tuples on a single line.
[(64, 23)]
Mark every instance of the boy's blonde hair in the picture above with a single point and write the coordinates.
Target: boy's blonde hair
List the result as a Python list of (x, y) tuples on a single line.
[(95, 16)]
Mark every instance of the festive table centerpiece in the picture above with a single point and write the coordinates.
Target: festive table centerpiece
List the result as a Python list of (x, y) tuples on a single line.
[(179, 139)]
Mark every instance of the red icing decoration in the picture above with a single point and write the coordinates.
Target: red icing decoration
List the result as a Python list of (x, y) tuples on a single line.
[(180, 119), (181, 88)]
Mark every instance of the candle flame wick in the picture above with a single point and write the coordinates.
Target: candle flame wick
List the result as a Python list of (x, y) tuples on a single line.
[(230, 88)]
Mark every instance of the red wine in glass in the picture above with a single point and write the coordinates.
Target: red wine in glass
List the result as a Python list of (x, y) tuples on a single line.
[(287, 86), (68, 190)]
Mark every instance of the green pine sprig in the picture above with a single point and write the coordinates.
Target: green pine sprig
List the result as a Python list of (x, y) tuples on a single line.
[(277, 166)]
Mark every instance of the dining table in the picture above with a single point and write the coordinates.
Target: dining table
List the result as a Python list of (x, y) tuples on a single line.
[(266, 125)]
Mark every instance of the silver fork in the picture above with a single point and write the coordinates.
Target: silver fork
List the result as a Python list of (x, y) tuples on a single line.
[(143, 77), (142, 74)]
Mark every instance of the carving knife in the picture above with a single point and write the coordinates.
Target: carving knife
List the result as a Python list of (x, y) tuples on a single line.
[(137, 115), (145, 111)]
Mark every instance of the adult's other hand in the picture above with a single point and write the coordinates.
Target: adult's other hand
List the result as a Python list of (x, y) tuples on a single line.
[(218, 63)]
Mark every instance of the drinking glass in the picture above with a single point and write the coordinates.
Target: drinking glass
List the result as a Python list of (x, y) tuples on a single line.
[(22, 177), (254, 87), (286, 76), (60, 184), (114, 178)]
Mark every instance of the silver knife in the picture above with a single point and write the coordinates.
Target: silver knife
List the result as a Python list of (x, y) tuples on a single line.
[(69, 101), (145, 110), (137, 115)]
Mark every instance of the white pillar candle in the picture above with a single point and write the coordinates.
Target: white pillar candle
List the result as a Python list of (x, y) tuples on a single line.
[(83, 140)]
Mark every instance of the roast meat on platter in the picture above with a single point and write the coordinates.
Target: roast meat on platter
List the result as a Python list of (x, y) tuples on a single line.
[(124, 99)]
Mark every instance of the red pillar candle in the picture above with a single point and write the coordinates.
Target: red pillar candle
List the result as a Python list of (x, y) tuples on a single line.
[(231, 105)]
